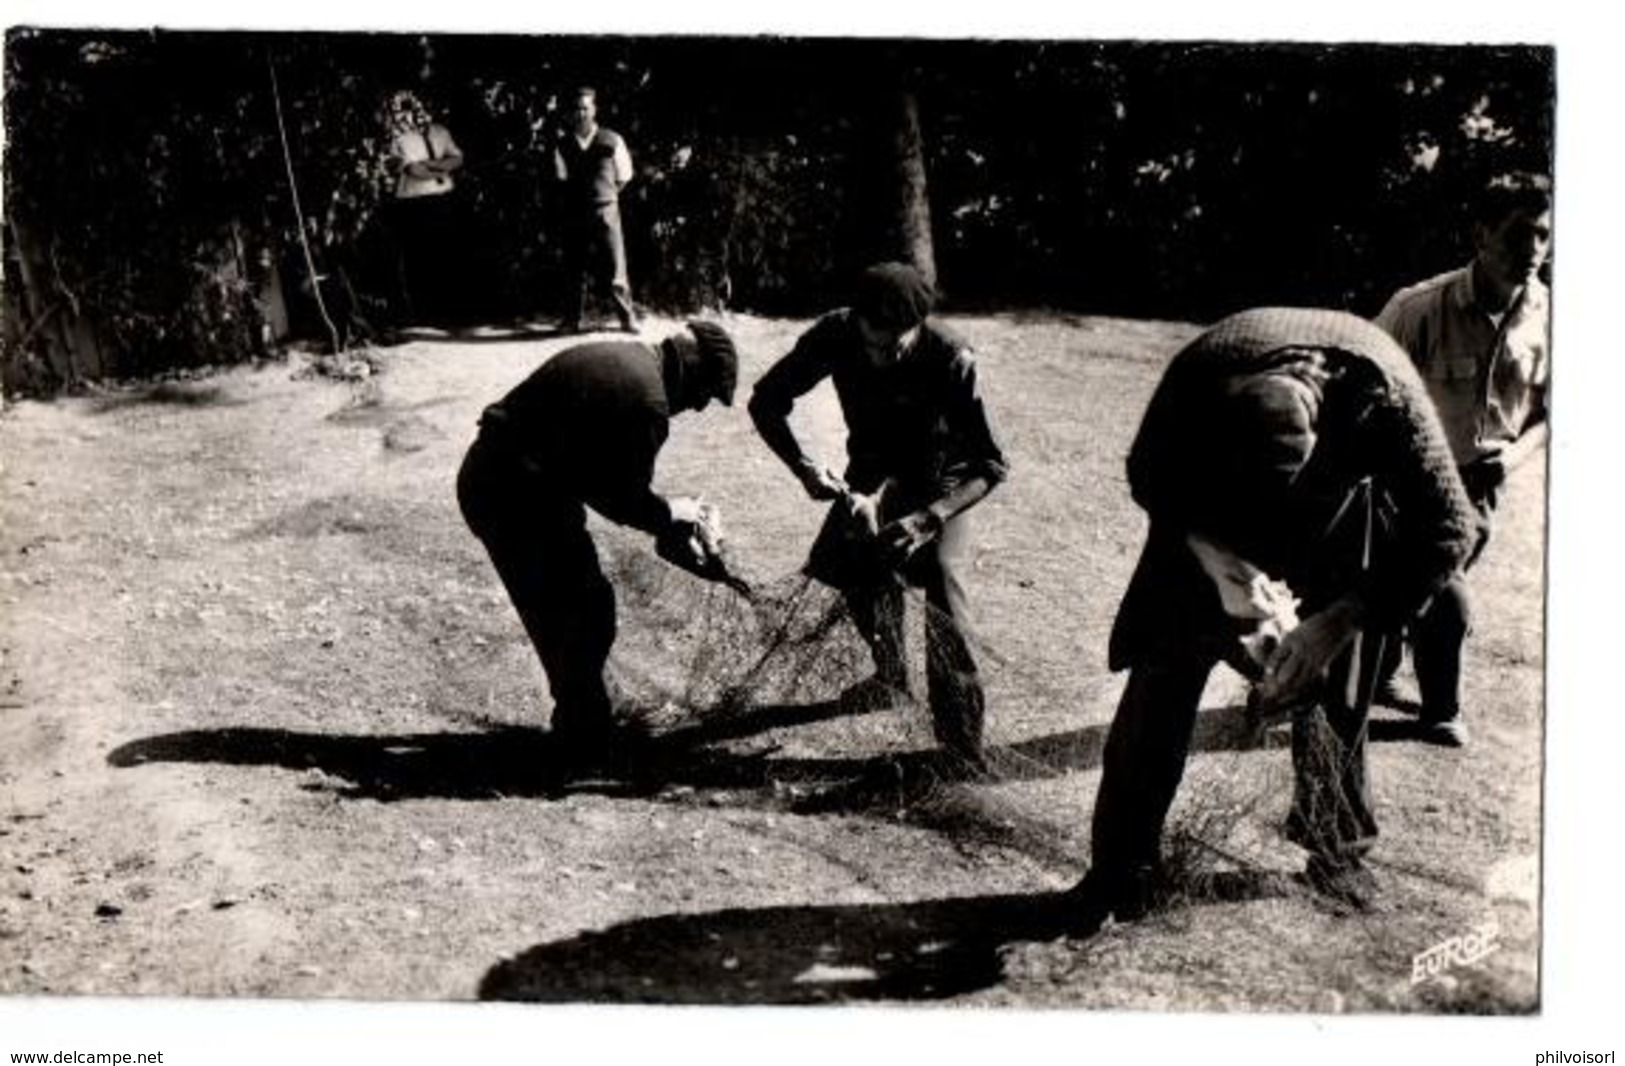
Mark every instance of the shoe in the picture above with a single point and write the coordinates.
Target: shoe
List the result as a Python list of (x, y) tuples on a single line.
[(1445, 732), (1343, 883), (596, 744), (873, 693), (1389, 693), (629, 325), (958, 764), (1088, 904)]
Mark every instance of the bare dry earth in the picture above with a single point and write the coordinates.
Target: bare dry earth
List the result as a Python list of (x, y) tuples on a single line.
[(268, 728)]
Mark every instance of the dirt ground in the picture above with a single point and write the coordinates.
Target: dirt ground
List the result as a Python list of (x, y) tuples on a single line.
[(269, 728)]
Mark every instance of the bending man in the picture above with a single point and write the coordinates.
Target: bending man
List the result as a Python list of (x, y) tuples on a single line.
[(1287, 455), (584, 431)]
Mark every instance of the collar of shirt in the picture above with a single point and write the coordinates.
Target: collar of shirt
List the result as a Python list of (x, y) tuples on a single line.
[(584, 141), (1464, 290)]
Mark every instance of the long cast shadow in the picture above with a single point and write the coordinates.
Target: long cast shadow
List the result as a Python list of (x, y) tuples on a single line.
[(523, 762), (927, 950), (806, 955)]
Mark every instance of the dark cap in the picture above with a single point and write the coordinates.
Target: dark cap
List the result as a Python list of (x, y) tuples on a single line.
[(717, 361), (894, 295)]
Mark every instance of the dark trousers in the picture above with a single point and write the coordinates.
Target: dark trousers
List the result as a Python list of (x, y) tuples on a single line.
[(595, 260), (429, 272), (874, 594), (1437, 638), (1150, 740), (1438, 635), (540, 547)]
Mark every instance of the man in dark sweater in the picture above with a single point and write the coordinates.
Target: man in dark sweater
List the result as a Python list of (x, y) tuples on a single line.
[(592, 165), (584, 431), (920, 452), (1288, 458)]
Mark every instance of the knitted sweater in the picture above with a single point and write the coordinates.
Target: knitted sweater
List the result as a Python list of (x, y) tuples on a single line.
[(1202, 463), (591, 422)]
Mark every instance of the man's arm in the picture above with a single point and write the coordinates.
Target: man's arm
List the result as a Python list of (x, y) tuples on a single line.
[(561, 170), (623, 489), (623, 163), (1434, 524), (979, 465), (774, 397), (447, 156)]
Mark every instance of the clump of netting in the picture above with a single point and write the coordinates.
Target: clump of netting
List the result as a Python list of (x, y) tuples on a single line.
[(722, 675)]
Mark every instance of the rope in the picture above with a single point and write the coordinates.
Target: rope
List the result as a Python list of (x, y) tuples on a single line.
[(299, 213)]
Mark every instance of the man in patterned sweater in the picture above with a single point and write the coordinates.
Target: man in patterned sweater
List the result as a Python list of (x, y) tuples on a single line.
[(1287, 455)]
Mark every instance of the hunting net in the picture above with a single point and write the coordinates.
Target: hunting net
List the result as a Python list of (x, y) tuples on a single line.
[(744, 693)]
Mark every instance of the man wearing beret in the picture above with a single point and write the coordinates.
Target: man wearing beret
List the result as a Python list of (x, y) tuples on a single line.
[(920, 453), (1289, 460), (584, 431), (1480, 336)]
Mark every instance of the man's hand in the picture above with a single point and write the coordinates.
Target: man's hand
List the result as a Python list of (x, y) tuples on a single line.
[(1484, 476), (1305, 653), (683, 542), (820, 481), (902, 538), (694, 542), (686, 509)]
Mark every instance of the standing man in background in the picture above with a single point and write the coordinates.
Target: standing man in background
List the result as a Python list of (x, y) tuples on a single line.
[(592, 165), (423, 224), (1480, 336)]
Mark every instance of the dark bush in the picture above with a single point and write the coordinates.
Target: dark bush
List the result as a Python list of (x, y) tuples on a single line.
[(150, 221)]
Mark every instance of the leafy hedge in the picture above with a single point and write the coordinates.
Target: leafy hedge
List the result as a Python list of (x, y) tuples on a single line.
[(147, 194)]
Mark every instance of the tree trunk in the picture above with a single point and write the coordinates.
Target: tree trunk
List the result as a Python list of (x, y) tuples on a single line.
[(912, 209), (47, 312), (892, 217)]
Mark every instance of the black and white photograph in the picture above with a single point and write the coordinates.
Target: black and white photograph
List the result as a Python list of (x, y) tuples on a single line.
[(998, 523)]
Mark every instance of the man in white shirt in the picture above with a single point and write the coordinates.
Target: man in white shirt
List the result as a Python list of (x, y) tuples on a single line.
[(1480, 336), (423, 157)]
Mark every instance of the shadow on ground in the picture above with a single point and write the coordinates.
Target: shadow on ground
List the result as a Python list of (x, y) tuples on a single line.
[(927, 950), (164, 393), (507, 762), (920, 951)]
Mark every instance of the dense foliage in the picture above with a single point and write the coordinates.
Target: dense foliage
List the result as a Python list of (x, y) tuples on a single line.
[(148, 201)]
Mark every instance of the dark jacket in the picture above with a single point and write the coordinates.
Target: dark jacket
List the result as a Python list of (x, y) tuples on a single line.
[(1368, 443), (920, 423), (589, 424)]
